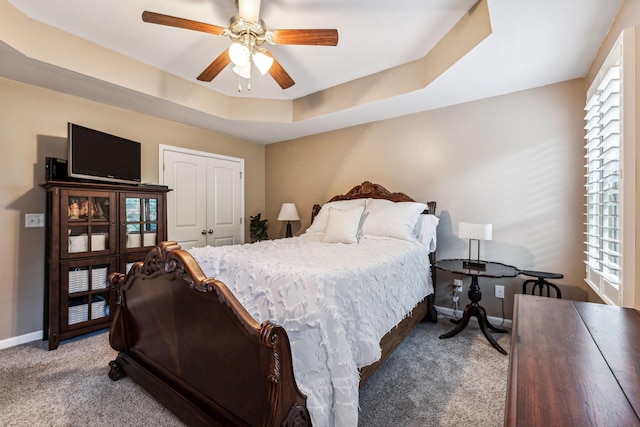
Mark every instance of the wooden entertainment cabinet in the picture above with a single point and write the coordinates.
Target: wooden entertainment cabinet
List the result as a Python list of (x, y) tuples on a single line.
[(93, 230)]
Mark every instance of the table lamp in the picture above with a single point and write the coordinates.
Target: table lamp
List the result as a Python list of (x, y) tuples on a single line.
[(475, 232), (288, 212)]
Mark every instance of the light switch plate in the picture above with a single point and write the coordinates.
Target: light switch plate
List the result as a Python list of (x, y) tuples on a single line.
[(34, 220)]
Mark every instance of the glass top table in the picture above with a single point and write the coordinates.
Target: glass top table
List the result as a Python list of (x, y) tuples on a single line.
[(491, 269)]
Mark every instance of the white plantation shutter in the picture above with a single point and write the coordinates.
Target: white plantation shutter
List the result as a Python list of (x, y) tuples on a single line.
[(604, 180)]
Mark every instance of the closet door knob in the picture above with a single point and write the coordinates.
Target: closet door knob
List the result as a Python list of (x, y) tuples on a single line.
[(204, 232), (210, 231)]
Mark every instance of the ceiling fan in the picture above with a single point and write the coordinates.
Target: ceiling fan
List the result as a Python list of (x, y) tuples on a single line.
[(248, 33)]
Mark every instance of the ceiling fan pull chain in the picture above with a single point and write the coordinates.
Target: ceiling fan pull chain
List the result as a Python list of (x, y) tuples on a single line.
[(239, 84)]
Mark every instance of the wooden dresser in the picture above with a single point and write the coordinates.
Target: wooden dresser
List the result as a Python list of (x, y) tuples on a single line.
[(573, 364)]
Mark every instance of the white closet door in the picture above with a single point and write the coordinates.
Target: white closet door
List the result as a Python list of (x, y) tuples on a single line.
[(223, 202), (205, 206), (186, 175)]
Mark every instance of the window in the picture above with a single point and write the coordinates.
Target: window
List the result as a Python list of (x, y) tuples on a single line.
[(610, 181), (603, 184)]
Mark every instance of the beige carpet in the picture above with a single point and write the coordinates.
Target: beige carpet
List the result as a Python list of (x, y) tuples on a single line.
[(455, 382), (459, 382)]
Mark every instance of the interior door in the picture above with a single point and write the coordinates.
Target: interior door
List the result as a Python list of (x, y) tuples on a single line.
[(206, 205), (224, 217), (186, 175)]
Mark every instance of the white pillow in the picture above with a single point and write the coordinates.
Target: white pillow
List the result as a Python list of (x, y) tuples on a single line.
[(343, 225), (320, 221), (385, 218), (426, 230)]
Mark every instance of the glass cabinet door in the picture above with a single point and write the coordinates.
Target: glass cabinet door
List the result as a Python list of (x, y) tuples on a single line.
[(85, 293), (88, 226), (140, 221)]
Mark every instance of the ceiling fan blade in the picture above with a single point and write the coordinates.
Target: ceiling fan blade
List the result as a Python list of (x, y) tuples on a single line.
[(172, 21), (305, 37), (279, 74), (249, 10), (215, 67)]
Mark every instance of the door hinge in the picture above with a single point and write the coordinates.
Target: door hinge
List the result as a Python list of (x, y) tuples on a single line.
[(240, 220), (240, 175)]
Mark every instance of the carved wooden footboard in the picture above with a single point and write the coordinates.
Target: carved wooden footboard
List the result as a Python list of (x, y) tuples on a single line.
[(188, 341)]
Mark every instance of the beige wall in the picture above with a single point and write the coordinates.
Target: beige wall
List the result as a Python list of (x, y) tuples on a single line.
[(33, 125), (514, 161)]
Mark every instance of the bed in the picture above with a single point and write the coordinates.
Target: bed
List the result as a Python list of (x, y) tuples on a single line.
[(259, 335)]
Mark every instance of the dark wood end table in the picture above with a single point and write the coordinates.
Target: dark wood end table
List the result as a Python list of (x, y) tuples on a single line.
[(492, 269)]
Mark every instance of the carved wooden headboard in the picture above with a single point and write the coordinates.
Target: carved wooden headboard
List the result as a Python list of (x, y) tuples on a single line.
[(368, 190)]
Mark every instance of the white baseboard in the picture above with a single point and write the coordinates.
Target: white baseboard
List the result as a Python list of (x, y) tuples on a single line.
[(496, 321), (22, 339)]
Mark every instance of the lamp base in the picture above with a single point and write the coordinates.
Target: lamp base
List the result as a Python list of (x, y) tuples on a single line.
[(289, 233), (475, 265)]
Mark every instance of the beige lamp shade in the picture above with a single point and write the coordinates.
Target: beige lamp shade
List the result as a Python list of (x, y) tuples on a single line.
[(288, 212)]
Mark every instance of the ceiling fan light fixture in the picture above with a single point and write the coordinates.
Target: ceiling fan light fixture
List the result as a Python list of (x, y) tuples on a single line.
[(243, 71), (239, 54), (263, 62)]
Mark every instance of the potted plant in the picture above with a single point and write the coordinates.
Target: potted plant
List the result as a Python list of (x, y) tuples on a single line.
[(258, 228)]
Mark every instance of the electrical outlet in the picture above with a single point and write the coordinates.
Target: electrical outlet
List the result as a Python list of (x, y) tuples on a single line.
[(34, 220), (499, 291)]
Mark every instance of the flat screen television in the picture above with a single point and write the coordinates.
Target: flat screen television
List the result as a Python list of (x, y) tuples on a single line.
[(98, 156)]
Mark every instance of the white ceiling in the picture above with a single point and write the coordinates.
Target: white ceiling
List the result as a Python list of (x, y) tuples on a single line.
[(533, 43)]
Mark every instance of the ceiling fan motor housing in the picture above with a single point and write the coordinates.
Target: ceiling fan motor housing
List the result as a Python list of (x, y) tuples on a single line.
[(240, 31)]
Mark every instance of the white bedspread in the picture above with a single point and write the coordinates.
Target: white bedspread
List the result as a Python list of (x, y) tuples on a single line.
[(335, 301)]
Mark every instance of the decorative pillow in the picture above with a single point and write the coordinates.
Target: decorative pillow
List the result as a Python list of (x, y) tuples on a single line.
[(426, 230), (343, 225), (388, 219), (320, 221)]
